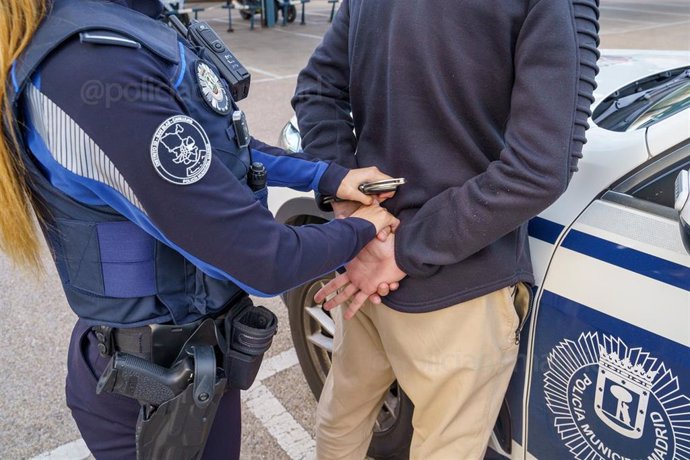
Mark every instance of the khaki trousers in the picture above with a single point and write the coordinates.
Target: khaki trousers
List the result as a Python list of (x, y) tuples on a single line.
[(454, 364)]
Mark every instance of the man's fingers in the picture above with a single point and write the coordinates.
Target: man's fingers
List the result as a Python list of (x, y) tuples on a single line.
[(375, 299), (383, 234), (394, 286), (342, 296), (332, 286), (362, 198), (384, 196), (383, 289), (395, 225), (356, 303)]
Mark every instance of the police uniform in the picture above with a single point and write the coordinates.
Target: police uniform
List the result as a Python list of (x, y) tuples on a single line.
[(141, 186)]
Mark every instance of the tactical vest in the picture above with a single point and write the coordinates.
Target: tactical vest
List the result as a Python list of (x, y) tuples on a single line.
[(113, 272)]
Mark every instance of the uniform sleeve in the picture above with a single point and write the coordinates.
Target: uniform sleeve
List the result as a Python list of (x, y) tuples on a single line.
[(322, 98), (298, 170), (99, 110), (555, 65)]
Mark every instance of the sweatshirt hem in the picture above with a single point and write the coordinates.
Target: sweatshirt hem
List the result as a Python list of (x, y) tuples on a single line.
[(454, 299)]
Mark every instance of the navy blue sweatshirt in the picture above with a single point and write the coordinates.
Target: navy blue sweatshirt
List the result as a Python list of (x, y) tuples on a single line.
[(97, 107), (481, 105)]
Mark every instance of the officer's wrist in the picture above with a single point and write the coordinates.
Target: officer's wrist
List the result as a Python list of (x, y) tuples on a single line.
[(331, 179)]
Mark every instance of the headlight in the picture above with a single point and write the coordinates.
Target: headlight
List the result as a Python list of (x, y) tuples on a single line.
[(290, 138)]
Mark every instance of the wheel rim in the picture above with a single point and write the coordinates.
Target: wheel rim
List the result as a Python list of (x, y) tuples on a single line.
[(319, 330)]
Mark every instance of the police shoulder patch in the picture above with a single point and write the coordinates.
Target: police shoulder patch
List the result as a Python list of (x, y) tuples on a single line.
[(212, 89), (181, 150)]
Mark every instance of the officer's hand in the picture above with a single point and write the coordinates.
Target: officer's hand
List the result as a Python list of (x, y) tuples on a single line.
[(343, 209), (378, 216), (349, 187)]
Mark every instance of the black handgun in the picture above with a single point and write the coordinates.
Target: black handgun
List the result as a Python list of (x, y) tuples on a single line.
[(143, 380)]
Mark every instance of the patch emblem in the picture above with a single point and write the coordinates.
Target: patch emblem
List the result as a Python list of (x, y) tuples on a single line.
[(180, 150), (212, 89), (611, 401)]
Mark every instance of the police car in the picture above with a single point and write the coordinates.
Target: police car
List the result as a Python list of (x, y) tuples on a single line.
[(604, 364)]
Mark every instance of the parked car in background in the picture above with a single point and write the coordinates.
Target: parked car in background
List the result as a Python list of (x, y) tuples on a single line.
[(603, 370)]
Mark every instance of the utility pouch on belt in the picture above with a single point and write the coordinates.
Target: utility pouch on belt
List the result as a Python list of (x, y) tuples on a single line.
[(249, 332)]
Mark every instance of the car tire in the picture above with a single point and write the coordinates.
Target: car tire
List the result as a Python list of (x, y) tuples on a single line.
[(292, 14), (312, 334)]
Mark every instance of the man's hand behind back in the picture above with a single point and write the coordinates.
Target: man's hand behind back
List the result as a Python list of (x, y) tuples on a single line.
[(374, 271)]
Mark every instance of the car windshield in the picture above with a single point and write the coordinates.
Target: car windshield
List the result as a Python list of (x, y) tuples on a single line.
[(669, 105), (645, 102)]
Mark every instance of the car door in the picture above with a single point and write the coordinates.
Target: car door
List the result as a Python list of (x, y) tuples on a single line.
[(609, 356)]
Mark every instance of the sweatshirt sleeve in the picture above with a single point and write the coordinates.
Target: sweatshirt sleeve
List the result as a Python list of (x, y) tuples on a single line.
[(555, 65), (322, 99)]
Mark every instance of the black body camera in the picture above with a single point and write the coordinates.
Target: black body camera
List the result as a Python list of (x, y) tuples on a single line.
[(200, 34)]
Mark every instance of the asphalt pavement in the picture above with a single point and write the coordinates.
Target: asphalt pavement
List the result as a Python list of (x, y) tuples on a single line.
[(278, 411)]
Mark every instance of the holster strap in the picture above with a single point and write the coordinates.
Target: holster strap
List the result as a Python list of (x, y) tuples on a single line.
[(134, 341)]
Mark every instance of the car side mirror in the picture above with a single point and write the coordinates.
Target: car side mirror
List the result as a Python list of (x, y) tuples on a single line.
[(682, 205)]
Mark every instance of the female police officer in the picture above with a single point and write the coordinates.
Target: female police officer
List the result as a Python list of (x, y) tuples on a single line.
[(118, 132)]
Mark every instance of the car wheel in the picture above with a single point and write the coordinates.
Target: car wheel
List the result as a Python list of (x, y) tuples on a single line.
[(312, 331), (292, 14)]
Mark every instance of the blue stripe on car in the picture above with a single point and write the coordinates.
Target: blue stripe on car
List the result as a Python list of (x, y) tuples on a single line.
[(631, 259), (616, 254), (544, 230)]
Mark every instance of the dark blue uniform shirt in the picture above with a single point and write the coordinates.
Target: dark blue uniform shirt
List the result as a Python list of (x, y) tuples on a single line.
[(92, 112)]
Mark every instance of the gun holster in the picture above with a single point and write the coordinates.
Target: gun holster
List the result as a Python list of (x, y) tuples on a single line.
[(179, 428), (176, 416)]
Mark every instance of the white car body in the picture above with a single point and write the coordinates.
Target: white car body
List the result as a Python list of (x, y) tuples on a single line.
[(604, 367)]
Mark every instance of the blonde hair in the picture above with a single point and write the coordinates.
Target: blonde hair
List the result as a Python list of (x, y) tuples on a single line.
[(19, 19)]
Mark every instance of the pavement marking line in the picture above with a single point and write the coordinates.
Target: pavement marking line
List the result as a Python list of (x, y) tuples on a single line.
[(284, 77), (323, 13), (631, 21), (272, 75), (639, 29), (639, 10), (299, 34), (75, 450), (277, 363), (289, 434)]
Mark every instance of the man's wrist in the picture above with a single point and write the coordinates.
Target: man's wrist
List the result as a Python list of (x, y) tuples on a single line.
[(406, 265)]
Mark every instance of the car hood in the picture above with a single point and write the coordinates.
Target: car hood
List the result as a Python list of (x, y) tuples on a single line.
[(619, 68)]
